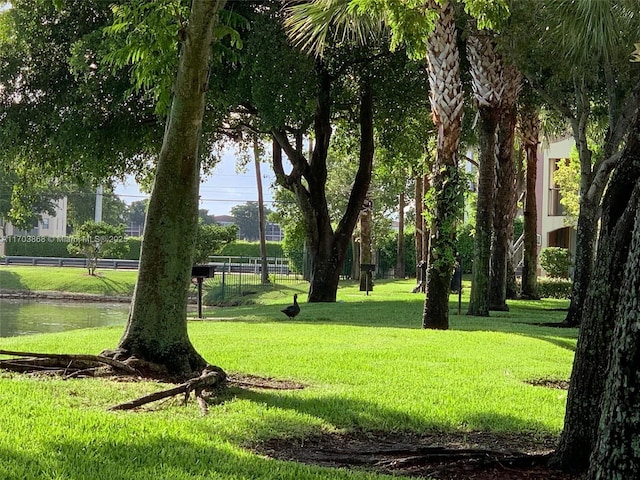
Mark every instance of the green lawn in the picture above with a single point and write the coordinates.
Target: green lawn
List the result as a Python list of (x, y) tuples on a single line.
[(365, 360), (67, 279)]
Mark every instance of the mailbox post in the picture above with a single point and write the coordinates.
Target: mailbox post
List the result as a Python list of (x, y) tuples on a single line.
[(200, 272), (367, 269)]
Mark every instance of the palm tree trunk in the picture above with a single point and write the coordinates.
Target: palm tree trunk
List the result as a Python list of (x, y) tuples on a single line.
[(529, 127), (446, 103), (479, 299)]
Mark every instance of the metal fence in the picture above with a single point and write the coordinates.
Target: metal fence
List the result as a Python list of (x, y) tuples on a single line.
[(238, 276)]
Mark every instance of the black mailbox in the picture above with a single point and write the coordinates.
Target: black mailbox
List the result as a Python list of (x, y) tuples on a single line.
[(200, 272), (203, 271)]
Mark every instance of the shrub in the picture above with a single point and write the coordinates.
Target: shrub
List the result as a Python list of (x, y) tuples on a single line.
[(96, 240), (554, 287), (556, 261)]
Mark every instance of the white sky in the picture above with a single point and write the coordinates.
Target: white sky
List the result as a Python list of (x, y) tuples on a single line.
[(222, 189)]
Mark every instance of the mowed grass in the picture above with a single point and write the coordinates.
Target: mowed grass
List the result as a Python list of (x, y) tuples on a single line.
[(68, 279), (365, 360)]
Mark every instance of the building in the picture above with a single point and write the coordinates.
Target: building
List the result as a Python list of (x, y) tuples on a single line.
[(48, 226), (553, 230)]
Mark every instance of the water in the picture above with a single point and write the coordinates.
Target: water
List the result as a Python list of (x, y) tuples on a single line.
[(26, 317)]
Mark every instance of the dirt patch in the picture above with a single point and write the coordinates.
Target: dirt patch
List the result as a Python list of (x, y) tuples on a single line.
[(550, 383), (441, 456), (254, 381)]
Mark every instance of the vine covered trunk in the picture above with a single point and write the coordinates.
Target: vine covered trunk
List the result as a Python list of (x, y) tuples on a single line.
[(446, 97)]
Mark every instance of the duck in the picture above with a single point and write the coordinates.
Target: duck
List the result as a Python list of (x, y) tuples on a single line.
[(292, 310)]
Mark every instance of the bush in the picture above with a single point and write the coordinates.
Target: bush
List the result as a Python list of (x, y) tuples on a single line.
[(556, 261), (554, 287), (95, 240)]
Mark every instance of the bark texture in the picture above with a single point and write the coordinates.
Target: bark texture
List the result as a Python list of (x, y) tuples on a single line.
[(593, 351), (617, 452), (488, 89), (529, 135), (156, 330), (505, 204), (446, 97)]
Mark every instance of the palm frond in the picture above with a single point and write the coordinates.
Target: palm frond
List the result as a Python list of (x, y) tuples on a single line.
[(311, 25)]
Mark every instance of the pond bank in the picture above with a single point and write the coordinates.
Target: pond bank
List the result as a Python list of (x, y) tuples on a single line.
[(68, 296)]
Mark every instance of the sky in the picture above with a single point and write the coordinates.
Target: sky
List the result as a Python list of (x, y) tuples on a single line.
[(220, 190)]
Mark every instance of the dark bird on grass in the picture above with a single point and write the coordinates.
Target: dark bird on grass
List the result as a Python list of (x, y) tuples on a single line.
[(292, 310)]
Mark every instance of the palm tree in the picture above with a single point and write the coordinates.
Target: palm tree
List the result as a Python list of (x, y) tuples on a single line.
[(488, 87), (506, 192), (528, 131), (447, 101)]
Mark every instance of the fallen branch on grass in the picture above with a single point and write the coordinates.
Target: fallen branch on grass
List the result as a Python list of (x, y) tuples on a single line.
[(208, 380), (59, 361)]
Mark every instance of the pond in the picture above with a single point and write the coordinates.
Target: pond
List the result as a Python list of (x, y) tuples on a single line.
[(25, 317)]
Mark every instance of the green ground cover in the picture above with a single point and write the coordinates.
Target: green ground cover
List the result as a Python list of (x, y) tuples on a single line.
[(366, 364), (68, 279)]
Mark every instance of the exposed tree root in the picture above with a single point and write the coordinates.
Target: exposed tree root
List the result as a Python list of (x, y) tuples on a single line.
[(209, 379), (31, 361), (75, 366)]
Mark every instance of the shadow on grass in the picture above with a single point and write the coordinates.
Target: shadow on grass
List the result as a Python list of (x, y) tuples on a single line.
[(350, 413), (113, 287), (153, 457), (11, 281)]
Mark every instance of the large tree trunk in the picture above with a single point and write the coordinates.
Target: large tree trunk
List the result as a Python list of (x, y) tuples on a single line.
[(529, 128), (479, 299), (617, 452), (446, 104), (307, 181), (586, 235), (593, 350), (156, 330)]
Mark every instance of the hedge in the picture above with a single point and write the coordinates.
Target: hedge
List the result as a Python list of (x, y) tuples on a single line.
[(242, 248), (41, 246), (554, 287)]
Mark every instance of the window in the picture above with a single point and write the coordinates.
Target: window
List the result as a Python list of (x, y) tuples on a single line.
[(555, 207)]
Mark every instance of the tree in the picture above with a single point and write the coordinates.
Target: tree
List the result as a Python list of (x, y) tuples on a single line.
[(55, 85), (447, 109), (529, 127), (580, 71), (506, 191), (210, 240), (81, 207), (156, 329), (361, 19), (95, 240), (487, 72), (247, 218), (25, 194), (605, 311)]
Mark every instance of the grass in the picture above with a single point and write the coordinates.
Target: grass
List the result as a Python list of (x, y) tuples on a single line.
[(66, 279), (365, 360)]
